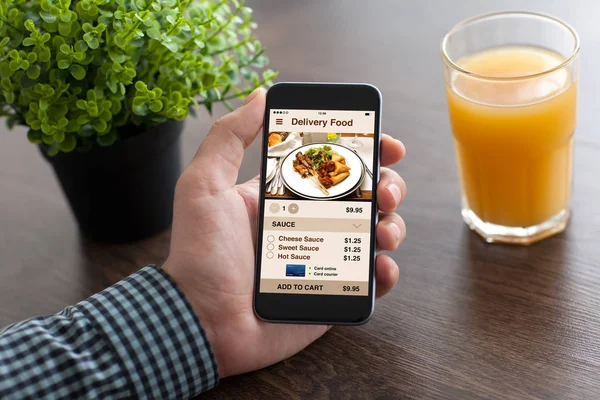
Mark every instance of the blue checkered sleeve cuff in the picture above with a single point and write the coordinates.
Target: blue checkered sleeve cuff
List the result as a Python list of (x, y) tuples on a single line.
[(139, 338)]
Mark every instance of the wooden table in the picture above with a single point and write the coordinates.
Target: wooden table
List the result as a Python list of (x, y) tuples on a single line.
[(467, 320)]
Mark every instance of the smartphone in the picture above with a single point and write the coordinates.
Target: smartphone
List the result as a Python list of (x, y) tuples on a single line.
[(315, 254)]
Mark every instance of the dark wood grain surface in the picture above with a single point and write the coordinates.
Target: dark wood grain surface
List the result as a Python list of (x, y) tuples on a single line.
[(467, 320)]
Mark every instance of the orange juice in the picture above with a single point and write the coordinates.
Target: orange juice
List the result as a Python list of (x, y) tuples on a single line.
[(514, 137)]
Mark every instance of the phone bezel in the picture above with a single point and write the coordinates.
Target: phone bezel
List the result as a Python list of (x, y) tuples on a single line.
[(313, 308)]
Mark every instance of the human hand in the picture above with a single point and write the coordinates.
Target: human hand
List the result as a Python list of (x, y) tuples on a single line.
[(213, 244)]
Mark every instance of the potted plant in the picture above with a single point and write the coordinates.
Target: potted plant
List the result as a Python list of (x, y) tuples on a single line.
[(104, 87)]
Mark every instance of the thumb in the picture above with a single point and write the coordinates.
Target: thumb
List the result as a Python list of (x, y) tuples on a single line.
[(219, 157)]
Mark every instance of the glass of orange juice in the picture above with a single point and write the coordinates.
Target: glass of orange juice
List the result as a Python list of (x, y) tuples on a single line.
[(511, 84)]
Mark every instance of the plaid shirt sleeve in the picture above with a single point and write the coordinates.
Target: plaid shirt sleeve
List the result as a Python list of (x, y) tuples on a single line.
[(139, 338)]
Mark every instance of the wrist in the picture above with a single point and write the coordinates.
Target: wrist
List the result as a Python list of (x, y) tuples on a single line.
[(192, 296)]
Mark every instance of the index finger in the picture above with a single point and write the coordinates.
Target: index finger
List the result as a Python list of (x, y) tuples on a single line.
[(392, 150)]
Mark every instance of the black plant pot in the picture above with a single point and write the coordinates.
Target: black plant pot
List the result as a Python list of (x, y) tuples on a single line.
[(123, 192)]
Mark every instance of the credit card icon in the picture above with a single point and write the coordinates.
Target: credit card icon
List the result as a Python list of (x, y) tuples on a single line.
[(295, 270)]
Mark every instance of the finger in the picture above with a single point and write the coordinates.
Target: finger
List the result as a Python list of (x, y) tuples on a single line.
[(219, 157), (390, 232), (386, 274), (392, 150), (391, 190), (253, 181)]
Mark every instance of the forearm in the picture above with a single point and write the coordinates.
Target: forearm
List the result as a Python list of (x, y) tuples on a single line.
[(137, 339)]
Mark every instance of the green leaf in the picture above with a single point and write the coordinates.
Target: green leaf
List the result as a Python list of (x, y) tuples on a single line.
[(5, 70), (153, 33), (173, 47), (105, 17), (247, 74), (77, 71), (176, 97), (64, 28), (116, 107), (65, 17), (72, 126), (58, 137), (26, 82), (117, 57), (81, 46), (36, 125), (9, 97), (208, 80), (47, 139), (68, 144), (6, 83), (140, 109), (269, 75), (208, 106), (100, 126), (107, 140), (58, 75), (64, 64), (141, 86), (51, 150), (86, 131), (156, 106), (112, 85), (29, 25), (47, 17), (34, 136), (91, 41), (44, 55), (14, 65), (121, 41), (96, 93), (33, 72)]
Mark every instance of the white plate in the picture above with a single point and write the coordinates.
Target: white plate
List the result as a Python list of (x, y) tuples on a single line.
[(307, 188), (270, 168)]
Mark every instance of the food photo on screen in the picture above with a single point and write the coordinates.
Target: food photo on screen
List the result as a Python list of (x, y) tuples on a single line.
[(319, 166)]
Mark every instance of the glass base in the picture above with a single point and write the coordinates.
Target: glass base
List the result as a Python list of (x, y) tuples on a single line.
[(493, 233), (355, 144)]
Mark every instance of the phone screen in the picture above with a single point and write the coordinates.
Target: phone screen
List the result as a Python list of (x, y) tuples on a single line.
[(318, 202)]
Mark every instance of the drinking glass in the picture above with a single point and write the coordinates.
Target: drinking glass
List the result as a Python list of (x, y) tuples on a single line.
[(511, 85), (355, 143)]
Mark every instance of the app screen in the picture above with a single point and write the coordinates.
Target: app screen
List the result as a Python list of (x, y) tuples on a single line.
[(317, 213)]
